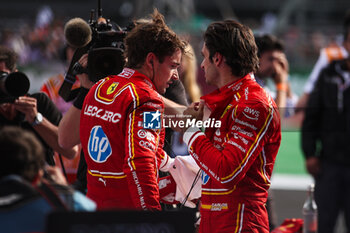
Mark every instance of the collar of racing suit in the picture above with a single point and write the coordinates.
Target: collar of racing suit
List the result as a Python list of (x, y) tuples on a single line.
[(131, 73), (218, 100)]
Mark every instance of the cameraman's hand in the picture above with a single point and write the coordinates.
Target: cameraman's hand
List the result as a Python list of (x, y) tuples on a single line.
[(28, 106), (84, 78)]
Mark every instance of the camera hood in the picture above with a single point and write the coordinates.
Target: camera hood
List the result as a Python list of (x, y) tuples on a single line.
[(104, 61), (13, 85)]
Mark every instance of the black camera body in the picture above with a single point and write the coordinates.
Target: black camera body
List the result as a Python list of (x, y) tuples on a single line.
[(12, 86), (105, 50)]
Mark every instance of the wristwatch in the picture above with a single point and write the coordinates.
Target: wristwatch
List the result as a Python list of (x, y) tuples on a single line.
[(37, 119)]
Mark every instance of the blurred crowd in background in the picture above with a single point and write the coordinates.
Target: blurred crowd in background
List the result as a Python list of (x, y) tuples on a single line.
[(38, 37)]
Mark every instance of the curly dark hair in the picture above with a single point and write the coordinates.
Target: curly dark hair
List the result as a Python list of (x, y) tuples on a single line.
[(21, 153), (151, 36), (9, 57), (236, 43)]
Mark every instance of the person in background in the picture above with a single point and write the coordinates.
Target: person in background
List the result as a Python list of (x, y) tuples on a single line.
[(274, 64), (188, 74), (175, 92), (51, 88), (327, 55), (188, 77), (29, 190), (325, 143), (237, 156), (52, 85), (34, 112)]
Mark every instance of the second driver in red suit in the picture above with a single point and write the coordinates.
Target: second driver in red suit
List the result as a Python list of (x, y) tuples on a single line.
[(237, 158), (120, 124)]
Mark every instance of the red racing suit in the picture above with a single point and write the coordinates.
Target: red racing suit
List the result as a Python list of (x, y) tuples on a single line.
[(237, 158), (122, 153)]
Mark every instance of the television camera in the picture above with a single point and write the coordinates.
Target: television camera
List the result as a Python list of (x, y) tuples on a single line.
[(102, 40)]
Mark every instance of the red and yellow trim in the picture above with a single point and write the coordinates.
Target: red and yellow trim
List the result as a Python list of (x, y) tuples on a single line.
[(132, 126), (239, 219), (107, 176), (251, 147), (116, 91), (219, 193)]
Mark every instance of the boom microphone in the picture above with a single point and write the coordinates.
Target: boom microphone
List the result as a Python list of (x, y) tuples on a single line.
[(102, 41), (77, 32)]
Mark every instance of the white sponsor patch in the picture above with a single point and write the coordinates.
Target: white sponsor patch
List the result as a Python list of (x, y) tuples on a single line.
[(156, 106), (236, 145), (240, 130), (219, 206), (245, 124), (235, 87), (103, 181), (142, 133), (246, 93), (147, 144), (126, 73), (217, 139), (251, 113), (163, 183)]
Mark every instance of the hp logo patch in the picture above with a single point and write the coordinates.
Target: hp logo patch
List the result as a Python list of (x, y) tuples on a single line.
[(99, 147), (205, 177), (151, 120)]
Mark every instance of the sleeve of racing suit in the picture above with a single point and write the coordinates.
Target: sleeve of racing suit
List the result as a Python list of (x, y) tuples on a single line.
[(166, 161), (141, 162), (311, 122), (242, 145)]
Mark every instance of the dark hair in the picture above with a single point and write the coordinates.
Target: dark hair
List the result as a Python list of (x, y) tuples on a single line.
[(236, 43), (9, 57), (267, 43), (21, 153), (151, 36)]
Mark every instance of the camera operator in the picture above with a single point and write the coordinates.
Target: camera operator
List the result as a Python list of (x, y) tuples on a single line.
[(34, 112), (68, 129)]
